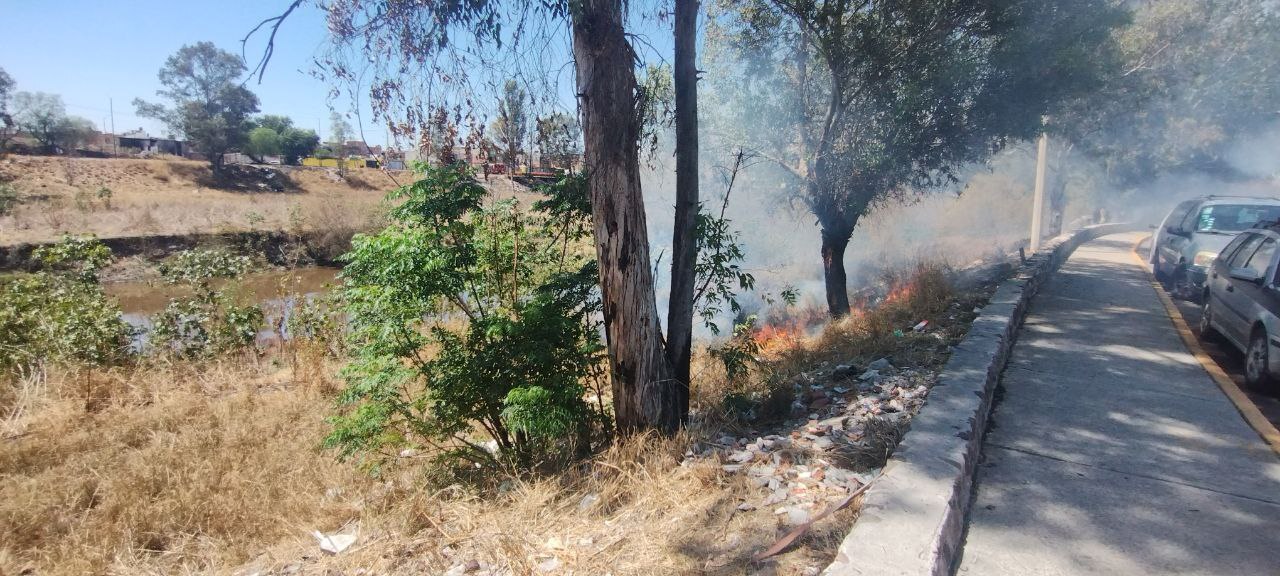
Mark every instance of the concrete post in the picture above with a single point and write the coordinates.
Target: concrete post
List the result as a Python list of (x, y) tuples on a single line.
[(1037, 205)]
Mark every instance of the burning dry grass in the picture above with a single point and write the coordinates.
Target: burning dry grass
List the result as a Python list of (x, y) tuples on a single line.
[(879, 328), (214, 468)]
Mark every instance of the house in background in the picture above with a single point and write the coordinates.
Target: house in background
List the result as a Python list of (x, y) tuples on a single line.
[(146, 144)]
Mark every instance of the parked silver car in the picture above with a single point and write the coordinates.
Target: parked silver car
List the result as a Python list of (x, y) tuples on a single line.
[(1193, 234), (1242, 301)]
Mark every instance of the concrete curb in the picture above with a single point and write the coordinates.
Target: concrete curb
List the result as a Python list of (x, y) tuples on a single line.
[(912, 520)]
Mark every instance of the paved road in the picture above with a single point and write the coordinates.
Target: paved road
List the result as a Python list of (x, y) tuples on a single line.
[(1228, 358), (1111, 450)]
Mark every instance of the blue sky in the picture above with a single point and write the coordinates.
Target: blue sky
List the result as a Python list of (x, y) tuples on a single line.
[(93, 53)]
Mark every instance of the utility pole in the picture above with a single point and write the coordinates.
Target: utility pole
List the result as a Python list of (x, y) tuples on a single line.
[(1037, 205), (115, 140)]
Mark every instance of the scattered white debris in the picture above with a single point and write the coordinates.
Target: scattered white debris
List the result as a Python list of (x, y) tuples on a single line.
[(334, 543)]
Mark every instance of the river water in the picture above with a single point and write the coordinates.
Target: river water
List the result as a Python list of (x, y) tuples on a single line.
[(275, 291)]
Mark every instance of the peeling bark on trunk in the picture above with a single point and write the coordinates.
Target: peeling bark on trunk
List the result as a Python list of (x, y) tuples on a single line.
[(833, 247), (644, 394), (685, 242)]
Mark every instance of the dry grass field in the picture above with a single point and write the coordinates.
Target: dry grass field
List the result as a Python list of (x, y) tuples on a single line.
[(214, 467), (172, 196)]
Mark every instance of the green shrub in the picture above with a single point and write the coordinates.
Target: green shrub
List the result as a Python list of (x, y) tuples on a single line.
[(471, 325), (8, 198), (104, 195), (212, 320), (60, 313)]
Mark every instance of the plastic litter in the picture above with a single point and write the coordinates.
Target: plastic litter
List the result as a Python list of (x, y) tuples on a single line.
[(334, 543)]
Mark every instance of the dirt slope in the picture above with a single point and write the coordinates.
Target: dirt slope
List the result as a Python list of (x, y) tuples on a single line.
[(169, 196)]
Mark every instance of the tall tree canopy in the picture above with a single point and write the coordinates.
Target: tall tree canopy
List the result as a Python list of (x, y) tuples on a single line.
[(1196, 78), (207, 103), (339, 132), (559, 139), (511, 126), (412, 46), (44, 117), (864, 102), (8, 128), (277, 135)]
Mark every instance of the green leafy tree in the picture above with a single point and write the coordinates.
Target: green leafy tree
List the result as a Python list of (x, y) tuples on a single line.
[(866, 102), (339, 132), (420, 39), (511, 126), (207, 103), (44, 117), (1196, 77), (60, 314), (276, 135), (559, 139), (275, 122), (212, 320), (263, 141), (470, 322), (8, 127), (296, 143)]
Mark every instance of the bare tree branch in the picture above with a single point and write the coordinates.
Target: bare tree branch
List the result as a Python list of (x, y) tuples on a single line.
[(274, 22)]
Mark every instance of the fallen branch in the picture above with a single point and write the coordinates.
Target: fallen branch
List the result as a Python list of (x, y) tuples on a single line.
[(799, 531)]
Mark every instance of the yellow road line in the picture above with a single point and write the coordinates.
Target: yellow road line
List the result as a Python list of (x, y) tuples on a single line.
[(1243, 404)]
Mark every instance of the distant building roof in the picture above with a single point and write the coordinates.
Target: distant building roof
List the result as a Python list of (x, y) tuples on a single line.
[(141, 134)]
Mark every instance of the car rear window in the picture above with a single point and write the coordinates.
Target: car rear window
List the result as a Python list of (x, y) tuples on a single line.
[(1234, 217)]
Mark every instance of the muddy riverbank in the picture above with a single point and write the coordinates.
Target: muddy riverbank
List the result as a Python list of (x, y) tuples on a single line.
[(319, 247)]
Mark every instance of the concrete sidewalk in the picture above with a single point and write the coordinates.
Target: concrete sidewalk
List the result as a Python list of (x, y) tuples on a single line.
[(1112, 451)]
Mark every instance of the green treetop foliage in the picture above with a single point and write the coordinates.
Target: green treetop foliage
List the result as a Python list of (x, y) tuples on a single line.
[(6, 86), (511, 127), (276, 135), (296, 143), (274, 122), (471, 322), (8, 128), (263, 141), (339, 132), (207, 103)]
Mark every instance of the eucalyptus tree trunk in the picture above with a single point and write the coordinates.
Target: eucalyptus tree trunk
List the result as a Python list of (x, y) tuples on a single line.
[(836, 281), (684, 255), (644, 394)]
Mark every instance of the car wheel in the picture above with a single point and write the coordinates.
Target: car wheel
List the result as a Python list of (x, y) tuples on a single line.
[(1161, 277), (1256, 369), (1207, 332), (1177, 283)]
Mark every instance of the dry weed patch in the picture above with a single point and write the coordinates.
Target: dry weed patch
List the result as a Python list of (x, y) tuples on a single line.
[(213, 467), (183, 468)]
